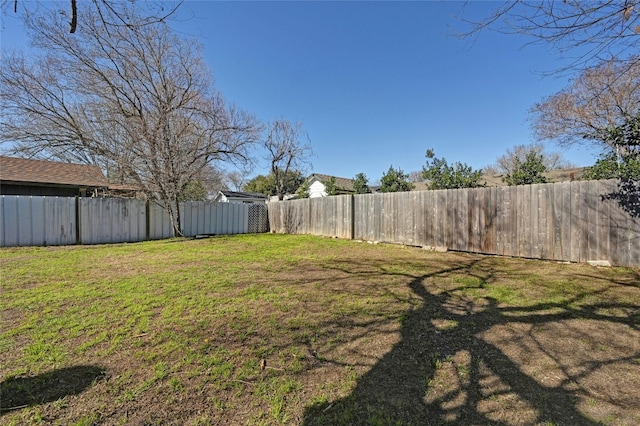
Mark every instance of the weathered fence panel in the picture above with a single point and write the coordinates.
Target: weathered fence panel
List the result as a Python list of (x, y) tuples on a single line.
[(574, 221), (328, 216), (37, 221), (29, 220), (159, 222), (112, 220), (206, 218)]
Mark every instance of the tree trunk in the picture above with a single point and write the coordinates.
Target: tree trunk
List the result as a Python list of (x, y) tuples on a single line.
[(177, 228)]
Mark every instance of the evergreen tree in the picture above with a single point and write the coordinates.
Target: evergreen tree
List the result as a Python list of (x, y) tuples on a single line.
[(443, 176), (528, 171), (193, 190), (304, 191), (330, 186), (361, 184), (395, 181)]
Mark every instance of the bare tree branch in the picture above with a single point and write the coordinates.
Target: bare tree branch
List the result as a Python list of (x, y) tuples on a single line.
[(289, 149), (590, 31), (118, 13), (139, 102), (598, 100), (74, 17)]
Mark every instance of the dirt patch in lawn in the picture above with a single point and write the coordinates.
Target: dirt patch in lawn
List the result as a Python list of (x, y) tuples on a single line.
[(340, 333)]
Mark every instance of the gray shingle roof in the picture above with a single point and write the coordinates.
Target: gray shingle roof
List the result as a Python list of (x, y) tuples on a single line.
[(236, 194), (341, 183)]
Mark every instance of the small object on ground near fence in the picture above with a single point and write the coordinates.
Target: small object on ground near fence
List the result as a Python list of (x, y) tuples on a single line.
[(439, 249), (599, 262)]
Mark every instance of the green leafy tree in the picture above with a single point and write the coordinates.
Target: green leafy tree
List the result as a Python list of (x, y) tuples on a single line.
[(625, 138), (361, 184), (193, 190), (261, 184), (610, 167), (623, 160), (330, 186), (395, 180), (267, 185), (528, 171), (441, 175)]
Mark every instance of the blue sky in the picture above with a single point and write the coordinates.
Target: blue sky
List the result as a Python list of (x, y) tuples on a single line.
[(375, 83)]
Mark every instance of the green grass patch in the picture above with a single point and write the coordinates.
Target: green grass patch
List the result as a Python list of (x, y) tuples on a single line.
[(279, 329)]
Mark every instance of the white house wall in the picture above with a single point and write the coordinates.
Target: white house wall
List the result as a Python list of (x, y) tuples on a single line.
[(317, 189)]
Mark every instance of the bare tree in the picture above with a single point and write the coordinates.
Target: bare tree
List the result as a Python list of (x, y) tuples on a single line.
[(288, 149), (139, 101), (598, 100), (111, 13), (590, 31), (416, 176), (236, 180), (507, 163)]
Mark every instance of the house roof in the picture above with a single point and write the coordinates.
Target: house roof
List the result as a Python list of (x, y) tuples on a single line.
[(247, 195), (50, 172), (420, 186), (341, 183)]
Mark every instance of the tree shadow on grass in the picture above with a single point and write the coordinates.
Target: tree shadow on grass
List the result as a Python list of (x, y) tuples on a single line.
[(21, 392), (484, 385)]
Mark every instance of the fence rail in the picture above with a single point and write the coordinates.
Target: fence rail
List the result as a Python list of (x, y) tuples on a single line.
[(42, 221), (571, 221)]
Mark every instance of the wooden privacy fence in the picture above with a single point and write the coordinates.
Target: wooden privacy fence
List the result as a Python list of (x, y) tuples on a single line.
[(41, 221), (570, 221)]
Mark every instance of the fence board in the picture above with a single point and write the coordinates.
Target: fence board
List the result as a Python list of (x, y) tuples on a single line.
[(544, 251), (472, 228), (456, 221), (618, 246), (424, 217), (479, 220), (8, 221), (436, 203), (490, 221), (504, 200), (523, 220), (557, 225), (549, 215)]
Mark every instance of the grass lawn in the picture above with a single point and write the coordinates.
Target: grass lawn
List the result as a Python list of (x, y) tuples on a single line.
[(279, 329)]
